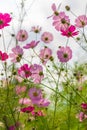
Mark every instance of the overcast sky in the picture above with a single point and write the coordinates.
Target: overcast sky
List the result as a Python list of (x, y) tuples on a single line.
[(37, 13)]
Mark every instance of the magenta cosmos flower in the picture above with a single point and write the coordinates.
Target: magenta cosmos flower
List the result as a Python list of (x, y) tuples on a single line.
[(4, 20), (22, 35), (84, 106), (45, 55), (36, 73), (27, 109), (32, 44), (81, 21), (70, 31), (64, 54), (3, 56), (36, 29), (61, 22), (47, 37), (17, 54), (35, 94), (24, 71)]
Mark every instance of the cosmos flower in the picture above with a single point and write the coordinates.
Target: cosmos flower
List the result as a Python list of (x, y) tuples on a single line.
[(17, 54), (20, 89), (36, 29), (61, 22), (81, 21), (35, 94), (32, 44), (64, 54), (3, 56), (22, 35), (42, 102), (37, 113), (45, 54), (47, 37), (36, 73), (80, 116), (70, 31), (24, 71), (27, 109), (25, 101), (4, 20), (84, 106), (55, 11)]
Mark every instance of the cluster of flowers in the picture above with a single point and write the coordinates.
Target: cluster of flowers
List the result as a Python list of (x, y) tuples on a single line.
[(83, 114), (34, 72)]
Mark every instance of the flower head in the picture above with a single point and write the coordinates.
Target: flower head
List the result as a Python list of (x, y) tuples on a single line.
[(47, 37), (35, 94), (32, 44), (70, 31), (45, 55), (36, 73), (17, 54), (24, 71), (25, 101), (84, 106), (3, 56), (61, 22), (81, 21), (36, 29), (80, 116), (64, 54), (55, 11), (43, 103), (37, 113), (4, 20), (27, 109), (20, 89), (22, 35)]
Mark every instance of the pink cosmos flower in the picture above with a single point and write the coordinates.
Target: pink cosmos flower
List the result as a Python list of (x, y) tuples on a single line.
[(54, 9), (37, 113), (36, 29), (24, 71), (3, 56), (61, 22), (32, 44), (81, 21), (64, 54), (25, 101), (45, 55), (70, 31), (36, 73), (43, 102), (20, 89), (22, 35), (4, 20), (47, 37), (84, 106), (27, 109), (80, 116), (18, 78), (17, 54), (35, 94)]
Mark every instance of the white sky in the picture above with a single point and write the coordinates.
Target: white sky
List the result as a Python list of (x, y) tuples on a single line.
[(39, 10)]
